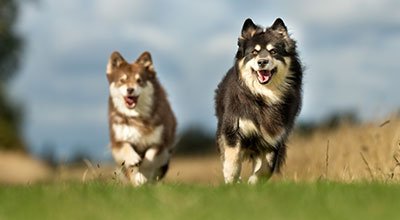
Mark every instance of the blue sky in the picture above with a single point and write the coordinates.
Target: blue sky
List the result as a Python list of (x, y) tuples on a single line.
[(350, 50)]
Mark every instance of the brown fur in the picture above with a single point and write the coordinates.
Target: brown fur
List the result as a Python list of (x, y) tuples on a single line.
[(158, 113)]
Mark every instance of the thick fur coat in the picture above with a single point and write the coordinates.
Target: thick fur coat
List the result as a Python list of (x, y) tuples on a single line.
[(258, 100), (141, 122)]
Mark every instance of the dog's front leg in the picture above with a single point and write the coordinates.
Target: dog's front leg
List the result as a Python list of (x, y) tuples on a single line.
[(154, 158), (231, 162), (126, 156), (262, 168)]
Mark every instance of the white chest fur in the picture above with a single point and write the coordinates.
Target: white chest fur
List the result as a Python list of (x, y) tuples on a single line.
[(135, 135)]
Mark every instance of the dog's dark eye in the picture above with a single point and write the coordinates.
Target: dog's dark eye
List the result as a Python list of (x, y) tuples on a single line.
[(139, 80), (272, 51), (122, 80)]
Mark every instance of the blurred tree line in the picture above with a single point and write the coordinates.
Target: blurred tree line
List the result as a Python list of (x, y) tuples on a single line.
[(10, 53), (195, 140), (331, 122)]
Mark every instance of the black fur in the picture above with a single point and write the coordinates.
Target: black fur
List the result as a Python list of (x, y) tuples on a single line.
[(235, 100), (162, 171)]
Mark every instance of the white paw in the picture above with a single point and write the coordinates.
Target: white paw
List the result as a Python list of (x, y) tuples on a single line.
[(139, 179), (229, 180), (253, 179), (231, 173)]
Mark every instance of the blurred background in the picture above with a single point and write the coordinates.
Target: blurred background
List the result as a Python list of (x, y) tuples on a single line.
[(53, 54)]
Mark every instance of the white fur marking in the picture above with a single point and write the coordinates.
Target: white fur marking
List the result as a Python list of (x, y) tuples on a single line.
[(134, 135), (273, 140), (253, 179), (232, 161), (269, 47), (251, 81), (126, 154), (248, 128), (147, 63), (269, 158), (144, 104), (257, 165), (152, 161), (273, 90), (151, 154), (260, 169), (257, 47), (139, 179)]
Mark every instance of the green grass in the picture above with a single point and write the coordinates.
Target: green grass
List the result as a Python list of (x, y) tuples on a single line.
[(274, 200)]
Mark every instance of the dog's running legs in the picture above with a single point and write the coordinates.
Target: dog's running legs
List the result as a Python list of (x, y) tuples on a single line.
[(152, 161), (262, 168), (128, 158)]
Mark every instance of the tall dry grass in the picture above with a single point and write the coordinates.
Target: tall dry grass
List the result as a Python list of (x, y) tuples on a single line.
[(351, 152)]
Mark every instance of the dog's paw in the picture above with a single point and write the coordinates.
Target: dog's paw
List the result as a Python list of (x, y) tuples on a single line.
[(253, 179), (139, 179)]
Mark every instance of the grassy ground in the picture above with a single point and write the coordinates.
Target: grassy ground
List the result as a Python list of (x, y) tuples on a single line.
[(359, 166), (274, 200)]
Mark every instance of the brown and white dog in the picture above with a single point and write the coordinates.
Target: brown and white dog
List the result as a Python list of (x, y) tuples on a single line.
[(141, 122)]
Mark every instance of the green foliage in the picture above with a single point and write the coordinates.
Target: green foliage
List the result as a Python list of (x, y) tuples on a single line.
[(10, 53), (9, 126), (11, 43), (283, 200)]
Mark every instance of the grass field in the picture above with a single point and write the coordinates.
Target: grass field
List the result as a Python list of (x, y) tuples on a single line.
[(351, 172), (284, 200)]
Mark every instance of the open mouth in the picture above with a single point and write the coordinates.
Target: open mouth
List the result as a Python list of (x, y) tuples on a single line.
[(264, 76), (130, 101)]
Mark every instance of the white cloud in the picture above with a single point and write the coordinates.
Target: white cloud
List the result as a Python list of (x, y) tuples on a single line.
[(113, 12), (221, 45), (151, 35), (342, 12)]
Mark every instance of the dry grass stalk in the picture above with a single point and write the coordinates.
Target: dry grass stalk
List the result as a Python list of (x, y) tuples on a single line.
[(327, 160), (367, 164)]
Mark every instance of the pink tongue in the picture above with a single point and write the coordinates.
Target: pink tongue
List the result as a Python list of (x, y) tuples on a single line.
[(130, 100), (264, 75)]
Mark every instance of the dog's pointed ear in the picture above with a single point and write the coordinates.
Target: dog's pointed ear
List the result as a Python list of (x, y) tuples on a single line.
[(248, 29), (114, 62), (145, 60), (279, 26)]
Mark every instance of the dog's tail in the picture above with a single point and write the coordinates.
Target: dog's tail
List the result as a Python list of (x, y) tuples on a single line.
[(279, 158)]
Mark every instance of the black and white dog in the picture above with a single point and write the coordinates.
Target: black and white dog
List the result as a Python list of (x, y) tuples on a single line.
[(258, 100)]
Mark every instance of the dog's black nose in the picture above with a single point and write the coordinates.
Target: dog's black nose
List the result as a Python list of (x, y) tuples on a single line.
[(130, 90), (262, 62)]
